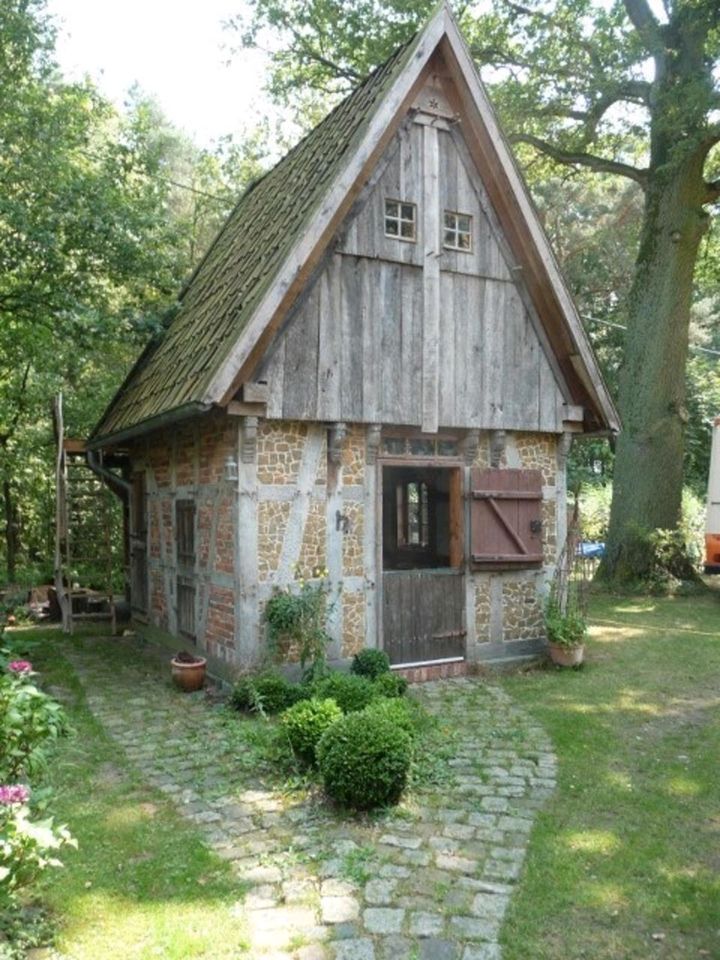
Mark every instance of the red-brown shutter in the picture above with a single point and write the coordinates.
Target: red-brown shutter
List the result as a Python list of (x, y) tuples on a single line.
[(506, 526)]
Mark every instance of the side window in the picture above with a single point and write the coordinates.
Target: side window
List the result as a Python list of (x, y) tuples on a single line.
[(185, 532), (400, 220), (457, 231)]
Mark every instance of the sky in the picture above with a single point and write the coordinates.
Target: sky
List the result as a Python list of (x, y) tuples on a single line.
[(176, 51)]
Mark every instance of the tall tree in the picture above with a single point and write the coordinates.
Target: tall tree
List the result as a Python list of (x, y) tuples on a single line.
[(102, 215), (626, 89)]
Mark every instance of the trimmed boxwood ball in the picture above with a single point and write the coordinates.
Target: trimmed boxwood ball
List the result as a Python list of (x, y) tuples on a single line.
[(306, 722), (403, 714), (364, 761), (270, 691), (349, 691), (370, 663), (390, 685)]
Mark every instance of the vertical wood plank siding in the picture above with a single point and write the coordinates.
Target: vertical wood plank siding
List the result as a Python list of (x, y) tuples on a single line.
[(412, 333)]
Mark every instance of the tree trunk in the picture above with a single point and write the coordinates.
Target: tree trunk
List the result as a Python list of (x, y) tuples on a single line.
[(11, 531), (647, 486)]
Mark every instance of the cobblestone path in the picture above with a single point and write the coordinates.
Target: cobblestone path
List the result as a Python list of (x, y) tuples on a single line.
[(431, 881)]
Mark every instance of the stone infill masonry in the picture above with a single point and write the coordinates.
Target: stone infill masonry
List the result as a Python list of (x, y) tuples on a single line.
[(430, 881)]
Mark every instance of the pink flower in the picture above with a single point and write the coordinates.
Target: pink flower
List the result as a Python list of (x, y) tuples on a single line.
[(13, 793), (20, 666)]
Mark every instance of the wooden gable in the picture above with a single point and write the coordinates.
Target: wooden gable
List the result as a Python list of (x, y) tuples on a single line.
[(414, 333), (279, 251)]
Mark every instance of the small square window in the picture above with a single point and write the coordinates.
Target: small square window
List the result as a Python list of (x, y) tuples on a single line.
[(400, 220), (457, 231)]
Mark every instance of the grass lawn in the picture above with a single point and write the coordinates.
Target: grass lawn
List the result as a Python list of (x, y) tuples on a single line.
[(625, 861), (141, 885)]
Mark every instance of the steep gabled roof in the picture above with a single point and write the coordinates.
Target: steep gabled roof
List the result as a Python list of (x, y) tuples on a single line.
[(176, 370), (282, 225)]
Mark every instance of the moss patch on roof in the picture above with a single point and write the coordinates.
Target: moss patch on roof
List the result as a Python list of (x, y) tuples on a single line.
[(221, 296)]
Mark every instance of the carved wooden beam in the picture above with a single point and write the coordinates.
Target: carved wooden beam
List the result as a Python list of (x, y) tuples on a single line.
[(249, 439), (374, 432), (470, 445), (498, 441), (338, 432)]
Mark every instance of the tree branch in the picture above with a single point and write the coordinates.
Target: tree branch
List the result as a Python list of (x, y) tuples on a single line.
[(643, 19), (580, 159)]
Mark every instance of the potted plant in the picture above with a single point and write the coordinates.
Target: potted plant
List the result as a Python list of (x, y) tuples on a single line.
[(566, 632), (188, 671)]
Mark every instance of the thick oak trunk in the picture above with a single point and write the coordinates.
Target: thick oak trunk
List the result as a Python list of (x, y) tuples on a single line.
[(649, 462)]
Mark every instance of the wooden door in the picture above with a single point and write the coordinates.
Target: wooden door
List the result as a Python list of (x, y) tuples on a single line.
[(423, 615)]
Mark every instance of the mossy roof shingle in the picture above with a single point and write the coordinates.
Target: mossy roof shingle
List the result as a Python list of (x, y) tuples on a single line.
[(177, 369)]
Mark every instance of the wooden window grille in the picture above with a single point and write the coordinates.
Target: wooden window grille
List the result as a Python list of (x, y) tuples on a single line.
[(506, 518), (400, 220), (412, 515), (185, 532), (457, 232)]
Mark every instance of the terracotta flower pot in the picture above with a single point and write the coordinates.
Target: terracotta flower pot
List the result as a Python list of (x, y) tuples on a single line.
[(566, 656), (189, 676)]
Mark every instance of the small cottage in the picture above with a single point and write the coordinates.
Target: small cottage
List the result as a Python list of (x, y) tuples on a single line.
[(376, 369)]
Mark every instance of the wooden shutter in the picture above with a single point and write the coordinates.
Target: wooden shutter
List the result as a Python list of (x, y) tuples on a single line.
[(506, 526)]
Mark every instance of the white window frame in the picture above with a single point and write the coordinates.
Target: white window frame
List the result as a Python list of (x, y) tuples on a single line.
[(456, 231), (399, 219)]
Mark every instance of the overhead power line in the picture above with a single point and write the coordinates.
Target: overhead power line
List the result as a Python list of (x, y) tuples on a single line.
[(622, 326)]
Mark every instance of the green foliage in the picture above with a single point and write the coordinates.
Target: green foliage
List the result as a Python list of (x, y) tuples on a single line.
[(305, 722), (27, 849), (390, 685), (403, 714), (102, 214), (350, 692), (364, 761), (565, 628), (370, 663), (595, 516), (669, 563), (268, 692), (30, 722), (299, 615)]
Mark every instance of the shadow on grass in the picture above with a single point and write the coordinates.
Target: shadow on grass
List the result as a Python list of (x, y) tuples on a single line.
[(624, 858)]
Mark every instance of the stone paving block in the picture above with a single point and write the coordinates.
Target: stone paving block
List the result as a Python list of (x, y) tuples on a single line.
[(380, 891), (339, 909), (426, 924), (482, 951), (490, 906), (470, 928), (434, 949), (394, 948), (456, 864), (361, 949), (383, 920), (409, 843)]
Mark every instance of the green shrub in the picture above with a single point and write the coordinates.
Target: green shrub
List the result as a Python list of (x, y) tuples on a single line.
[(30, 721), (349, 691), (27, 847), (404, 714), (370, 663), (306, 722), (364, 761), (266, 693), (390, 685)]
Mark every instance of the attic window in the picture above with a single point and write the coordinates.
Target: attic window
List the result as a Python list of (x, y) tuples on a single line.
[(457, 234), (400, 220)]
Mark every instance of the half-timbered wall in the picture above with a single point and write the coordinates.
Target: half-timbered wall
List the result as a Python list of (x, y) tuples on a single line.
[(188, 465), (300, 503), (400, 332)]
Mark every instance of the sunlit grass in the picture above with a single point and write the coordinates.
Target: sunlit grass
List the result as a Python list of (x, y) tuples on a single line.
[(142, 885), (628, 847)]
